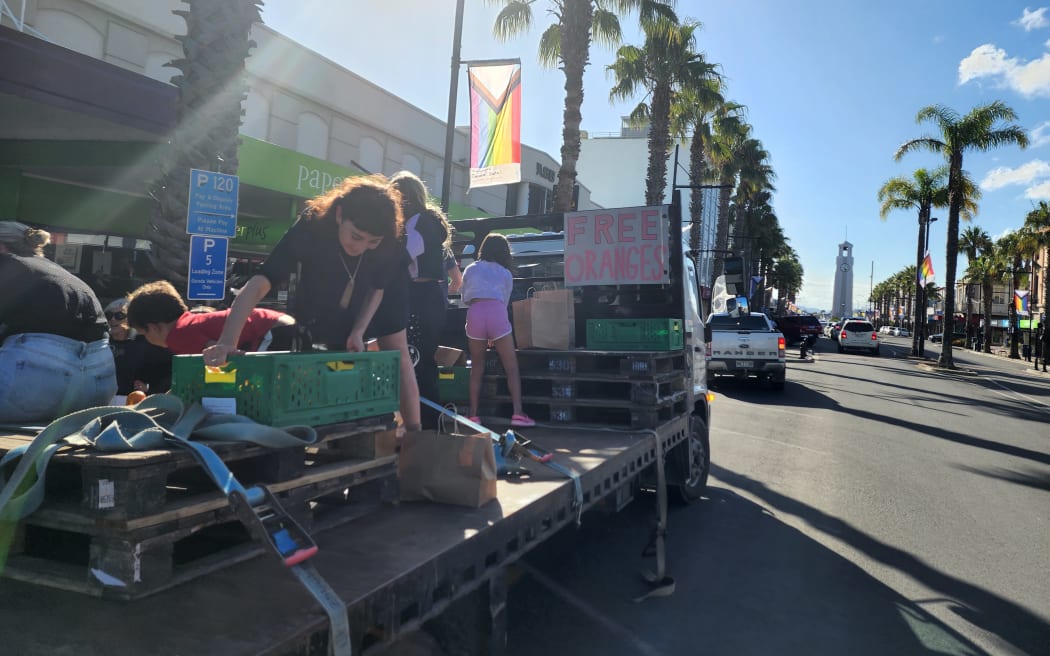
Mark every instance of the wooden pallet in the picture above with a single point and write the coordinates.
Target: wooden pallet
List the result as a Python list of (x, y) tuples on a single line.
[(635, 364), (587, 413), (135, 552), (597, 387)]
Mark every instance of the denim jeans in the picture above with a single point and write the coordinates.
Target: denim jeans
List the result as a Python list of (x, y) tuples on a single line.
[(43, 377)]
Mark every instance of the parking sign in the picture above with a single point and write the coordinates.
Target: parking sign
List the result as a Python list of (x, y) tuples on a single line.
[(211, 208), (207, 276)]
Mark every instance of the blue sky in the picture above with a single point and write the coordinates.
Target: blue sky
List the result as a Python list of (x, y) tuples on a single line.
[(832, 88)]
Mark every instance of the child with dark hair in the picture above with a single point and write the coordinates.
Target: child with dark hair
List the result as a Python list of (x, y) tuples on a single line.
[(487, 284), (157, 312)]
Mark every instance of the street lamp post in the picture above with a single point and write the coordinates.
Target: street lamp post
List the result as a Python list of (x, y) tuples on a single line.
[(921, 330)]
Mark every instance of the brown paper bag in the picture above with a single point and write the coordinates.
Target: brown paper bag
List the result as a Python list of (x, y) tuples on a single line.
[(454, 469), (547, 320)]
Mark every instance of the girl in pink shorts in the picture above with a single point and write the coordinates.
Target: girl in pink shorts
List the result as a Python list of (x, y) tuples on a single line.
[(487, 284)]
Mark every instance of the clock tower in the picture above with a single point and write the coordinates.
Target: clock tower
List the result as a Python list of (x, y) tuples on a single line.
[(842, 297)]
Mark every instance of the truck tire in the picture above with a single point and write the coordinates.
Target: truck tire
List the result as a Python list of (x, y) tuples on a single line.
[(690, 462)]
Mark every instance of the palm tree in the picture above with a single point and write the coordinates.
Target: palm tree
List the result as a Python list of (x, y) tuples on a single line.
[(924, 192), (1038, 221), (983, 268), (566, 44), (980, 129), (754, 188), (667, 63), (692, 110), (973, 241), (730, 132), (211, 88)]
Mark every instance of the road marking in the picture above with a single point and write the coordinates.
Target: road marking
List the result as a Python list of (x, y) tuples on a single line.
[(768, 439), (610, 625), (1023, 396)]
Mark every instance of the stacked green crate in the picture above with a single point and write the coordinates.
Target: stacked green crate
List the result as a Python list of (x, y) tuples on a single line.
[(634, 334)]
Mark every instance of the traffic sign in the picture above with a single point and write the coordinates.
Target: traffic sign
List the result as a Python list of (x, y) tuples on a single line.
[(207, 279), (211, 208)]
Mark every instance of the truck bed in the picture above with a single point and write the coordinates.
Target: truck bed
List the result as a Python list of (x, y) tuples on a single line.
[(395, 568)]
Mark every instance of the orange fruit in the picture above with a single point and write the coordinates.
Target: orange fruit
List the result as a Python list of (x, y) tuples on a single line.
[(136, 397)]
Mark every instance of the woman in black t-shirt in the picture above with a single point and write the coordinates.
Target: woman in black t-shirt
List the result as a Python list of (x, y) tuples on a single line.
[(353, 282), (55, 357), (427, 236)]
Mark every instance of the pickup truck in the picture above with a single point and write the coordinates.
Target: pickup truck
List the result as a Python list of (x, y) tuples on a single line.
[(746, 346)]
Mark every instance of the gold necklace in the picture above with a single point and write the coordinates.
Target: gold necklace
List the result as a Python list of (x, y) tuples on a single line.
[(344, 300)]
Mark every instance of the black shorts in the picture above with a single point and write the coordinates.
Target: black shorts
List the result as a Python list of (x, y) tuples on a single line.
[(392, 315)]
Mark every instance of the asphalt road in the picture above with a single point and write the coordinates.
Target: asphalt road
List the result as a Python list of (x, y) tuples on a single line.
[(874, 507)]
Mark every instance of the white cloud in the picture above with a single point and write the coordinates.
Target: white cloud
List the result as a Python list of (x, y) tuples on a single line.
[(1027, 173), (1040, 191), (1040, 135), (1033, 20), (1027, 78)]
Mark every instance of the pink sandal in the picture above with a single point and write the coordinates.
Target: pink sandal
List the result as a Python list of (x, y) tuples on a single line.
[(521, 421)]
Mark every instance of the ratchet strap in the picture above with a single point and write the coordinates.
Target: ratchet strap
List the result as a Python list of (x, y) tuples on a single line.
[(511, 447), (161, 421)]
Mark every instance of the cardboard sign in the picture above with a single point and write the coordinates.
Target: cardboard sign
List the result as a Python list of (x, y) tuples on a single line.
[(622, 246)]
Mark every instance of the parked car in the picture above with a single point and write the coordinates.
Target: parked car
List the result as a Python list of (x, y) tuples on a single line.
[(958, 339), (901, 332), (797, 327), (858, 334)]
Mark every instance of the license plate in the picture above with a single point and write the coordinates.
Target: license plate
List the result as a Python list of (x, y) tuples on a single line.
[(745, 364)]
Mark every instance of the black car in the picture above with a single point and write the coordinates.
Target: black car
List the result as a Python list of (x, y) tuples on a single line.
[(797, 327)]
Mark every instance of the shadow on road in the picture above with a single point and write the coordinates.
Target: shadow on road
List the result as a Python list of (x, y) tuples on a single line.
[(747, 583), (1010, 622)]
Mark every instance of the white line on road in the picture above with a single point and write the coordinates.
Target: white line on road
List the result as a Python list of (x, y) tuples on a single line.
[(1023, 396), (590, 611), (767, 439)]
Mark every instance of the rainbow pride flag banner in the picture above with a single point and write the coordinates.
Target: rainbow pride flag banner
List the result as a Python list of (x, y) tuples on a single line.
[(495, 124), (1021, 302), (926, 272)]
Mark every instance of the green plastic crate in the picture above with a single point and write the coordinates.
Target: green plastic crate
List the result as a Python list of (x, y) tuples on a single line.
[(280, 389), (634, 334), (453, 384)]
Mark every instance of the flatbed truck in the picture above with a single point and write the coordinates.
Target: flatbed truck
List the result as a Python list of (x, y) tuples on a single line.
[(404, 565)]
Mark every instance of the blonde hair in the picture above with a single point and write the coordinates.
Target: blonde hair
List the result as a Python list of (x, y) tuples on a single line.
[(22, 240), (416, 200)]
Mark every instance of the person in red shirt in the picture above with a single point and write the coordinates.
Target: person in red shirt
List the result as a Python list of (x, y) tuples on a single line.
[(158, 313)]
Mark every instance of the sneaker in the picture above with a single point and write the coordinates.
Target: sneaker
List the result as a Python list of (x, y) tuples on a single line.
[(521, 421), (476, 420)]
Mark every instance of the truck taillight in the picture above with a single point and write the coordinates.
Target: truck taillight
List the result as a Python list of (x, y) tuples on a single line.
[(781, 346), (843, 335), (707, 350), (875, 336)]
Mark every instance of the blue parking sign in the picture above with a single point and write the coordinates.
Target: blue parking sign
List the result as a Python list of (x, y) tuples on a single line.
[(211, 207), (207, 276)]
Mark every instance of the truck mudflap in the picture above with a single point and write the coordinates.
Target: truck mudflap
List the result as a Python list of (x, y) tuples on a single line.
[(733, 366)]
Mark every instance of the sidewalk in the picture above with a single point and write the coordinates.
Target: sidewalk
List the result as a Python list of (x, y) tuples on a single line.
[(1004, 353)]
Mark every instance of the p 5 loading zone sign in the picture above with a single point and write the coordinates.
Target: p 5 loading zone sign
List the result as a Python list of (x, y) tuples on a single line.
[(211, 220)]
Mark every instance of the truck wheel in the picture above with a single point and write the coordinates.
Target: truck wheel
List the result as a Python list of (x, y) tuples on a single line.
[(690, 462)]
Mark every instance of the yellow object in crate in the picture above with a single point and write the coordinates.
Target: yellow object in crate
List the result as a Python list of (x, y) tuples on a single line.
[(282, 389)]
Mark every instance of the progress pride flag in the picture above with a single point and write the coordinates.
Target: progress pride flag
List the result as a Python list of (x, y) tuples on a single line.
[(623, 246)]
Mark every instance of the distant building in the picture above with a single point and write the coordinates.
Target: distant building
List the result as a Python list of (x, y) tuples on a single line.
[(842, 295)]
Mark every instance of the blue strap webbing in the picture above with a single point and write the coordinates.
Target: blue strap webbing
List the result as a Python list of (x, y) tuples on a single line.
[(158, 422)]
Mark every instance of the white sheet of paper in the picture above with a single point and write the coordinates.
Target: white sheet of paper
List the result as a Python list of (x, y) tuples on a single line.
[(219, 405)]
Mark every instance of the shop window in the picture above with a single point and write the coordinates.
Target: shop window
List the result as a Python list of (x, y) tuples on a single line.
[(371, 155), (411, 163), (70, 31), (541, 199), (312, 136), (256, 116)]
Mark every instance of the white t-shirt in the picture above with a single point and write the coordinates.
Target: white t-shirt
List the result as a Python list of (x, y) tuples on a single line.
[(484, 279)]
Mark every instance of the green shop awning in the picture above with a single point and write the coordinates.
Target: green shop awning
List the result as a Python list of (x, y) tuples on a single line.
[(268, 166)]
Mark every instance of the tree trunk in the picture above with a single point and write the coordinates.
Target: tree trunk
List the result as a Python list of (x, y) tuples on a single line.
[(986, 298), (696, 194), (575, 49), (951, 253), (659, 140), (1015, 332), (916, 333), (722, 233)]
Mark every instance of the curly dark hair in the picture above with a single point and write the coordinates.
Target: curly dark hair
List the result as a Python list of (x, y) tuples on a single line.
[(370, 202), (154, 302)]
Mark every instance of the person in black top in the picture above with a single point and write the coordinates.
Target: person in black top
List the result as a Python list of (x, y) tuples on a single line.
[(353, 282), (141, 366), (55, 356), (427, 236)]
